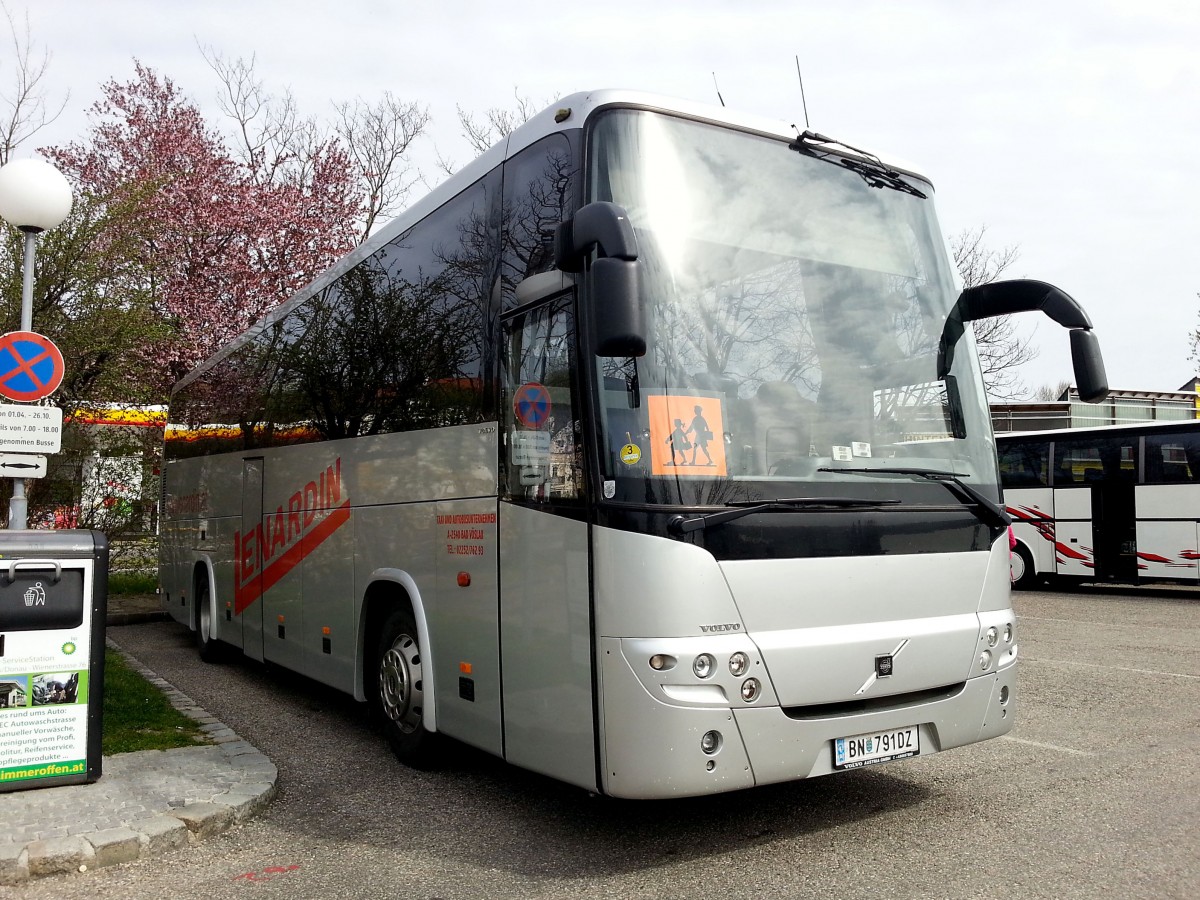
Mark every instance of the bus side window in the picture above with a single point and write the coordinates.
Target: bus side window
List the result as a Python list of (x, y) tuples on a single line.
[(541, 184), (1024, 464), (543, 458), (1172, 459)]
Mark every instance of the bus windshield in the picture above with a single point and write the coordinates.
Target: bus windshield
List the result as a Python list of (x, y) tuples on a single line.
[(796, 309)]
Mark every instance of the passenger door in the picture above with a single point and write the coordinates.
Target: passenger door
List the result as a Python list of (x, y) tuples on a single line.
[(545, 610)]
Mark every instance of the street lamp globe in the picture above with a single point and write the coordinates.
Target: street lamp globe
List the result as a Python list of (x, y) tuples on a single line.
[(34, 196)]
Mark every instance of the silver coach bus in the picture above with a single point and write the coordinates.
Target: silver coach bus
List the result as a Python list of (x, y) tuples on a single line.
[(649, 452)]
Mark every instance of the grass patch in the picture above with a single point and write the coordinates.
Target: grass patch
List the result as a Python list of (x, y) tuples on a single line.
[(132, 583), (136, 714)]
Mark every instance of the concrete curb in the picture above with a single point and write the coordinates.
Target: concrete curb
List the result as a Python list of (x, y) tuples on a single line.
[(113, 619), (244, 785)]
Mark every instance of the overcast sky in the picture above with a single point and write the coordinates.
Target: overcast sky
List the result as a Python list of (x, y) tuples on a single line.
[(1070, 129)]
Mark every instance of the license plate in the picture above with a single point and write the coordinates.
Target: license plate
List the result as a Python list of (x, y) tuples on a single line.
[(876, 747)]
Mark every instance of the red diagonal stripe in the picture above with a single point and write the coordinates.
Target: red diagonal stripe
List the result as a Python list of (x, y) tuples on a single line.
[(24, 365)]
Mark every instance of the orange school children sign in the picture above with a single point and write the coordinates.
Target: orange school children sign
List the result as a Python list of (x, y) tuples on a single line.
[(686, 435)]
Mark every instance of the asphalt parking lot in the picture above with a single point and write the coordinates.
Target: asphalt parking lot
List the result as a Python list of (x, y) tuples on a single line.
[(1095, 793)]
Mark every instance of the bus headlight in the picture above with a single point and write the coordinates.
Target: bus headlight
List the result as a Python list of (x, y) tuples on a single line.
[(750, 689), (703, 665), (985, 660), (993, 636), (738, 664), (1008, 633)]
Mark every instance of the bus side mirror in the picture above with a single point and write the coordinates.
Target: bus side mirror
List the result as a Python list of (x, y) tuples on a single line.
[(1002, 298), (617, 317), (1090, 377)]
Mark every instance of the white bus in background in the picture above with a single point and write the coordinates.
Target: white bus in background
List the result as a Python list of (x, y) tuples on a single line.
[(1116, 503), (604, 458)]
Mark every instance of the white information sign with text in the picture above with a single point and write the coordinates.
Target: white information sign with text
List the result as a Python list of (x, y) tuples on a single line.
[(25, 428)]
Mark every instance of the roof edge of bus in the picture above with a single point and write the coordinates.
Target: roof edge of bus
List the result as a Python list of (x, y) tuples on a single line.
[(1143, 425), (580, 106)]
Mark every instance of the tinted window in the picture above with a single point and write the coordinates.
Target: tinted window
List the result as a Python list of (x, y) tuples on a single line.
[(541, 184), (397, 343), (1091, 458), (543, 463), (1024, 463), (1173, 458)]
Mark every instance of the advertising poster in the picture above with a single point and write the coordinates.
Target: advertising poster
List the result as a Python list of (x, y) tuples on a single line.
[(44, 683)]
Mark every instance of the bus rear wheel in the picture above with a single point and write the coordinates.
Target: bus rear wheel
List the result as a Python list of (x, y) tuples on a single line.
[(208, 646), (398, 694), (1022, 569)]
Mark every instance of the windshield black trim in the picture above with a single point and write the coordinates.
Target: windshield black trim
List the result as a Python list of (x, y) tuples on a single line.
[(901, 529), (739, 509), (988, 511)]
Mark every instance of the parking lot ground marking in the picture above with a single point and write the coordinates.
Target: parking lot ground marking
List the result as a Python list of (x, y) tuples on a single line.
[(1016, 740), (1071, 662)]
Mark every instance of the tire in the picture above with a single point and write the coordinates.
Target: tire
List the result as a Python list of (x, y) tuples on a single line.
[(1022, 571), (208, 646), (397, 692)]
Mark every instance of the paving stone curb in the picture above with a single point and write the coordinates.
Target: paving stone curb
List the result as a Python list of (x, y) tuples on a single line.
[(207, 789)]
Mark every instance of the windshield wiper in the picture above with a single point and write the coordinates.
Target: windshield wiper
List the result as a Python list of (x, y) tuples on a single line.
[(740, 508), (987, 510), (871, 168)]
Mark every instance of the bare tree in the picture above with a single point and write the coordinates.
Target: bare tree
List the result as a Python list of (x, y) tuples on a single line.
[(1001, 349), (24, 109), (1048, 393), (271, 139), (495, 123), (1195, 340), (277, 141), (377, 137)]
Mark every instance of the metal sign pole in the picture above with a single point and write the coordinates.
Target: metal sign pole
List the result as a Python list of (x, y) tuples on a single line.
[(34, 197), (27, 279), (18, 507)]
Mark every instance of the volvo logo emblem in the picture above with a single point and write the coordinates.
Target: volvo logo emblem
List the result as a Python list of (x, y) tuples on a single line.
[(884, 666)]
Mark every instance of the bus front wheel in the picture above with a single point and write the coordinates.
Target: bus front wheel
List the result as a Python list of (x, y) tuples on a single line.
[(398, 694), (1023, 571)]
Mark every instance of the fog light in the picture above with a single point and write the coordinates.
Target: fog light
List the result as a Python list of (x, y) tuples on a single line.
[(993, 636), (703, 665), (710, 743), (750, 689), (985, 660), (738, 663), (660, 662), (1004, 695)]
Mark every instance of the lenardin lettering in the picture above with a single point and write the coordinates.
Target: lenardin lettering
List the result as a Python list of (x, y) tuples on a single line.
[(270, 549)]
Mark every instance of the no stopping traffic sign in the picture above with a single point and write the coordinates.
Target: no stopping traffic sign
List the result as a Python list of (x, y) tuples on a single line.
[(31, 366)]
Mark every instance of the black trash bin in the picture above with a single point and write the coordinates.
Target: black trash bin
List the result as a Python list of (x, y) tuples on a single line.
[(53, 600)]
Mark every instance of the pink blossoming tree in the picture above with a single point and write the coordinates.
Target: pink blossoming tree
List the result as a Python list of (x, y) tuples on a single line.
[(210, 242)]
